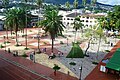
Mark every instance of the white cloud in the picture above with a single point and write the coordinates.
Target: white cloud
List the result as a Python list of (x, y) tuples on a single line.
[(111, 2)]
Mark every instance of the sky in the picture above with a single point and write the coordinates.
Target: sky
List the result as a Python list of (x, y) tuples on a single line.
[(111, 2)]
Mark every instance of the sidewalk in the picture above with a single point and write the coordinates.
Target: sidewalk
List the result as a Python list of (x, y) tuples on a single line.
[(37, 68)]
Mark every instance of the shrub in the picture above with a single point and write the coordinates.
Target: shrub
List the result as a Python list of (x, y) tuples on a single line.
[(24, 55), (44, 43), (6, 42), (26, 48), (72, 63), (1, 46), (107, 50), (61, 42), (30, 30), (94, 62), (17, 45)]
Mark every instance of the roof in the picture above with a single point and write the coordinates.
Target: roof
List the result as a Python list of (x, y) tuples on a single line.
[(92, 15), (73, 14), (114, 62), (96, 74)]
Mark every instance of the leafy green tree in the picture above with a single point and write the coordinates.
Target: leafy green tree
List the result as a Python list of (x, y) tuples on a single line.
[(52, 24), (67, 4), (77, 25), (113, 19)]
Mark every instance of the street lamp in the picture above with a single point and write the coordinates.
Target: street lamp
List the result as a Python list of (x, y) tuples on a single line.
[(80, 72), (38, 36), (4, 42), (67, 41)]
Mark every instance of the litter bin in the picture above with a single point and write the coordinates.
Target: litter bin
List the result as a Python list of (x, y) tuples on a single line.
[(31, 56)]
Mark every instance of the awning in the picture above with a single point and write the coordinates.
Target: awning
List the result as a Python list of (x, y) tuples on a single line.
[(114, 62)]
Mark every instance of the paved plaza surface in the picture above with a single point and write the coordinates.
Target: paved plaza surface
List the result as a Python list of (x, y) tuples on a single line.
[(43, 65)]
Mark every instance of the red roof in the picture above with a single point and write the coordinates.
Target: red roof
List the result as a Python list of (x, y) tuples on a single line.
[(96, 74)]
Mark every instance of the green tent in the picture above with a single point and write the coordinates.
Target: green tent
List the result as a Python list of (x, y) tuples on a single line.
[(76, 52), (114, 62)]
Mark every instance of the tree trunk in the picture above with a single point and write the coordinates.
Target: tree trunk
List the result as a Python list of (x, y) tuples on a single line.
[(16, 38), (75, 36), (52, 44), (11, 33), (26, 32), (88, 46), (7, 32), (55, 72), (98, 46)]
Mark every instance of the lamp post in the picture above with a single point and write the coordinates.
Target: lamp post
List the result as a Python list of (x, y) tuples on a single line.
[(38, 36), (67, 41), (80, 72), (4, 42)]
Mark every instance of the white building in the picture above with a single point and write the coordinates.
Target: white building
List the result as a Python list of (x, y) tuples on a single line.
[(88, 19)]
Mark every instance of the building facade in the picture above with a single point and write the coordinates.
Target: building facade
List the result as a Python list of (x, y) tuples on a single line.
[(88, 19)]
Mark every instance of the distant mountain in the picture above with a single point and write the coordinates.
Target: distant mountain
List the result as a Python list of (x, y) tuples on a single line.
[(71, 2), (64, 1)]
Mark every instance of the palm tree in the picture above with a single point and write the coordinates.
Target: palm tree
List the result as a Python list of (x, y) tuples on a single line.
[(52, 24), (67, 4), (84, 3), (15, 18), (26, 24), (99, 34), (93, 3), (77, 25), (39, 4), (5, 4), (75, 5)]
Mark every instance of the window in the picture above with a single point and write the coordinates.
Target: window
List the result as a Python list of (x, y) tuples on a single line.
[(68, 19), (86, 20), (87, 17)]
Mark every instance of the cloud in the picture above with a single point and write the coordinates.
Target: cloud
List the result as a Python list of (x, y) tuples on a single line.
[(111, 2)]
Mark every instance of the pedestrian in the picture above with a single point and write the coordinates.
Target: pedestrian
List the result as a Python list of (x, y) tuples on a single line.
[(58, 53), (62, 54), (34, 56), (44, 50)]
